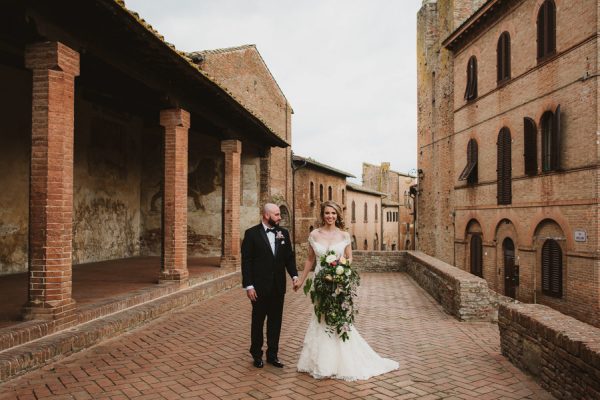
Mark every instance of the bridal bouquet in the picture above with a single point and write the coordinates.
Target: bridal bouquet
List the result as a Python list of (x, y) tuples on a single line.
[(332, 293)]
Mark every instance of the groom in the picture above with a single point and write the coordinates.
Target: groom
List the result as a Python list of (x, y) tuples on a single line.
[(266, 254)]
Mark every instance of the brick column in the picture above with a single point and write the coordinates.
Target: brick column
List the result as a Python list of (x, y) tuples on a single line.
[(231, 203), (265, 177), (54, 68), (174, 249)]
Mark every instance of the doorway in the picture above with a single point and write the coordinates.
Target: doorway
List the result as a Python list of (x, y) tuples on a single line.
[(511, 274)]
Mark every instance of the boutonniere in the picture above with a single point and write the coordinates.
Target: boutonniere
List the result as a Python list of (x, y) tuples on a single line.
[(279, 236)]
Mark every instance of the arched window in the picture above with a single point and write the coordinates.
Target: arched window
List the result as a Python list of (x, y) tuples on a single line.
[(551, 137), (366, 213), (310, 229), (353, 219), (469, 173), (503, 58), (353, 244), (530, 146), (471, 89), (321, 193), (312, 192), (552, 268), (366, 245), (343, 196), (376, 242), (285, 216), (546, 30), (329, 193), (504, 171), (476, 256), (376, 210)]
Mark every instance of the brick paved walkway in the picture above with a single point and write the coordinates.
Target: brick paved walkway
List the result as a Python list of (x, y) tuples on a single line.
[(202, 352)]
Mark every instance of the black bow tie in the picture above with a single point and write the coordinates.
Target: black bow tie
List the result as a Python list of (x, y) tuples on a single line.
[(270, 230)]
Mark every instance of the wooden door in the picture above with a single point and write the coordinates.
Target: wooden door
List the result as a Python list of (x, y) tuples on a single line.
[(510, 272)]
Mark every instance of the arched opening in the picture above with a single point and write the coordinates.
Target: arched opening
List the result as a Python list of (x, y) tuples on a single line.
[(546, 30), (476, 259), (552, 269), (511, 274), (285, 216)]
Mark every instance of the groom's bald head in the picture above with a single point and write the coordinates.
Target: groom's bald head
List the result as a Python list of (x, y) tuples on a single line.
[(271, 214)]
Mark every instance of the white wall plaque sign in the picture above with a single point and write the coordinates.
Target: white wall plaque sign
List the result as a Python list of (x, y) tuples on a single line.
[(580, 235)]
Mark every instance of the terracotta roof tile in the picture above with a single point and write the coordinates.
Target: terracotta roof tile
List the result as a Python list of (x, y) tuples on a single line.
[(189, 60)]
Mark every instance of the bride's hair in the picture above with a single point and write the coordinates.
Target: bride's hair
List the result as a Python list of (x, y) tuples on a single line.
[(339, 222)]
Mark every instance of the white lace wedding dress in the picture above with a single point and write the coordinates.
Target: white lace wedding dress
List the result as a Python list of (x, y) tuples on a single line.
[(325, 355)]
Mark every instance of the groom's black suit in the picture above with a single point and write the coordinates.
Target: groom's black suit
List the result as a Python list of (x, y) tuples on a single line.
[(266, 272)]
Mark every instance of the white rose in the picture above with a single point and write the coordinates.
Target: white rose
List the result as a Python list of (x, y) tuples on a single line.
[(330, 258), (339, 270)]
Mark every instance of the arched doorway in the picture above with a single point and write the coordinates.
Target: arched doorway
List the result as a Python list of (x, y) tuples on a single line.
[(476, 255), (511, 272), (285, 217)]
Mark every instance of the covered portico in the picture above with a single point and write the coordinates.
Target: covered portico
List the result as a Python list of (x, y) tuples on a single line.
[(105, 122)]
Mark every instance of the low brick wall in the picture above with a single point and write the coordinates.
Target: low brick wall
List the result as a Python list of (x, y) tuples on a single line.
[(461, 294), (379, 261), (20, 359), (562, 352)]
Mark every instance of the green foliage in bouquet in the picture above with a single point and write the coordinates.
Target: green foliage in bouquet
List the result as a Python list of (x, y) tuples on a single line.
[(332, 292)]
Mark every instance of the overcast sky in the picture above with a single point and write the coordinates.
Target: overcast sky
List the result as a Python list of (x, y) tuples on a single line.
[(347, 67)]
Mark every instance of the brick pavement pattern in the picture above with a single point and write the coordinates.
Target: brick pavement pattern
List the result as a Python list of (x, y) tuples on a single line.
[(202, 352)]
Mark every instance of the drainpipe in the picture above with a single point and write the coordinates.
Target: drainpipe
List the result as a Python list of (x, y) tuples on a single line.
[(381, 220)]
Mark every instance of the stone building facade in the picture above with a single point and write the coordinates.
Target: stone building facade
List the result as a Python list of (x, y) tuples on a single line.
[(115, 145), (363, 217), (396, 188), (243, 72), (508, 145), (314, 183)]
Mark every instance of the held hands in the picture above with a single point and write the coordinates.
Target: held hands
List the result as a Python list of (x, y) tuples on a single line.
[(297, 284)]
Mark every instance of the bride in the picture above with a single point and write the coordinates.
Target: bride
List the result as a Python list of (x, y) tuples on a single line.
[(326, 355)]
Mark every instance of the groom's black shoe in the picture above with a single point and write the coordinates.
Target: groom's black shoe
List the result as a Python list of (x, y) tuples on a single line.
[(258, 363), (275, 362)]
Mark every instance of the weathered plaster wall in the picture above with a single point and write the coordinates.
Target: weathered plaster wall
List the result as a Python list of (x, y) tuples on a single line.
[(205, 193), (106, 184), (250, 207), (15, 139)]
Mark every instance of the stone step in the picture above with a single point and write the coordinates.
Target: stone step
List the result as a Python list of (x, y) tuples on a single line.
[(130, 311)]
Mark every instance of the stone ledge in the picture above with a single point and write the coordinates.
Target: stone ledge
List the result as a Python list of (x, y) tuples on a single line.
[(37, 353), (461, 294), (379, 261), (562, 352)]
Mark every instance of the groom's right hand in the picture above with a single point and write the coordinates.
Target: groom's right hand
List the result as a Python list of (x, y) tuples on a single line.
[(251, 293)]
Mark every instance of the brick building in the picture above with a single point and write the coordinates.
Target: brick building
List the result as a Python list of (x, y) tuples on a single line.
[(116, 145), (508, 145), (364, 218), (242, 71), (397, 204), (314, 183)]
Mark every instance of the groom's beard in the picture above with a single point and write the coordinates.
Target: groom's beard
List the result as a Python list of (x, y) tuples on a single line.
[(273, 223)]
